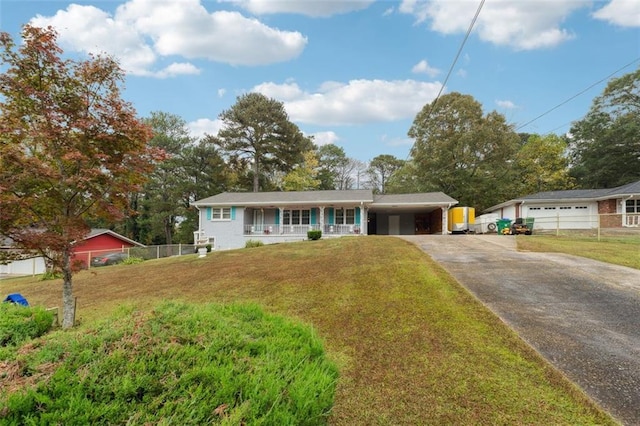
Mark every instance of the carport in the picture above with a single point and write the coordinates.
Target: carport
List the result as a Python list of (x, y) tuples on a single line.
[(409, 214)]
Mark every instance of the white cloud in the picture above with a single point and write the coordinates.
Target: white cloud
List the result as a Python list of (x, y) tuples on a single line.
[(143, 32), (314, 8), (282, 92), (176, 69), (203, 126), (625, 13), (221, 92), (356, 102), (505, 104), (423, 67), (324, 138), (523, 25)]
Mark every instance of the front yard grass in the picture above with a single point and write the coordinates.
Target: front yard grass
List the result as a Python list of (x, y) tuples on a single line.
[(412, 345), (623, 250)]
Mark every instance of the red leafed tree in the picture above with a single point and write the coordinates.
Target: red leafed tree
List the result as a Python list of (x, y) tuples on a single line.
[(70, 149)]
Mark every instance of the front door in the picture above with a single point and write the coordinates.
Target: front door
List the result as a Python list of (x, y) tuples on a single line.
[(394, 225), (258, 220)]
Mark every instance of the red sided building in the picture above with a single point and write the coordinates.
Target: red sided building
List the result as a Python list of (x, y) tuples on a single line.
[(99, 242)]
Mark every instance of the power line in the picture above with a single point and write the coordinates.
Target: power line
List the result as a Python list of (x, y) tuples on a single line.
[(578, 94), (455, 60), (464, 41)]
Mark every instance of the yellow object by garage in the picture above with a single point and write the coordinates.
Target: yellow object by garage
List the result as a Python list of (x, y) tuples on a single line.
[(461, 219)]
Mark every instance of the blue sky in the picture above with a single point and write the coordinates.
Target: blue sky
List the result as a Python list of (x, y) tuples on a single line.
[(353, 73)]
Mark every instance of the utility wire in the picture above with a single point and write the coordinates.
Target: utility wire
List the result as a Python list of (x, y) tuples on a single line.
[(453, 64), (455, 60), (578, 94)]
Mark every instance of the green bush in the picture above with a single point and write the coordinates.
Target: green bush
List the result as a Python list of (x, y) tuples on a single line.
[(132, 260), (177, 364), (314, 235), (50, 275), (253, 243), (20, 323)]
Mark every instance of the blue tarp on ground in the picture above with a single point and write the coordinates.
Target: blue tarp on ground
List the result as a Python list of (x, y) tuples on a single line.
[(17, 298)]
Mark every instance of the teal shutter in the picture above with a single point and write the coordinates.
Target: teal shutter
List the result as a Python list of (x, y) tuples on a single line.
[(313, 216), (331, 221), (233, 213), (277, 216), (208, 213), (357, 215)]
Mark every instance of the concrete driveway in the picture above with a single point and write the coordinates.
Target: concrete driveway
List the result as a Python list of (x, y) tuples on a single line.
[(583, 316)]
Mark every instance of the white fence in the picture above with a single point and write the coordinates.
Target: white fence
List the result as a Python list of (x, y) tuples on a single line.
[(32, 266)]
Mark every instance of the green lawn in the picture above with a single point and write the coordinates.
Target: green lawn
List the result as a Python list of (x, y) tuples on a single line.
[(412, 346), (623, 251)]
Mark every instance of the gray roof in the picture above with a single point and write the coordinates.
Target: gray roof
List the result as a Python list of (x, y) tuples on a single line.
[(420, 198), (285, 198), (326, 197), (630, 189)]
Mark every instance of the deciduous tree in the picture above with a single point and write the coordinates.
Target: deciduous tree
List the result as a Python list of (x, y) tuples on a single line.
[(606, 142), (463, 152), (303, 177), (543, 165), (70, 149)]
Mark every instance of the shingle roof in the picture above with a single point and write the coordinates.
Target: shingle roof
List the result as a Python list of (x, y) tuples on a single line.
[(630, 189), (291, 197), (421, 198), (327, 197)]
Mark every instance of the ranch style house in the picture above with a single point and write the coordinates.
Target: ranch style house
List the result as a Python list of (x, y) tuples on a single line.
[(228, 220)]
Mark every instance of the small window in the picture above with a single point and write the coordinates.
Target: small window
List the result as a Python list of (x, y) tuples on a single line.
[(549, 208), (565, 208), (345, 216), (581, 207), (296, 217), (632, 206), (534, 208), (221, 213)]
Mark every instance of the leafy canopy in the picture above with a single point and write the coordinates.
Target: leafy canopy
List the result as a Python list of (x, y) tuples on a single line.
[(462, 152), (71, 149), (606, 142)]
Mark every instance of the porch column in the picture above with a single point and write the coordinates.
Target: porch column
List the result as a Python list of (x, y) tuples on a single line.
[(363, 220), (445, 224), (321, 218), (281, 220)]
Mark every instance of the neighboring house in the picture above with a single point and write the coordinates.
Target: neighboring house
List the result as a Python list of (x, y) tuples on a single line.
[(229, 220), (101, 241), (577, 209)]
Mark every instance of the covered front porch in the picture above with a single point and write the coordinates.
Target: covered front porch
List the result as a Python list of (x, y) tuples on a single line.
[(295, 220)]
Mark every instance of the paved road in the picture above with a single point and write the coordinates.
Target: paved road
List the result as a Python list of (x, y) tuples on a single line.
[(581, 315)]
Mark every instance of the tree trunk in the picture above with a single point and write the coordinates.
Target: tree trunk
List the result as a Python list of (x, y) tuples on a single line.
[(68, 304), (256, 177)]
